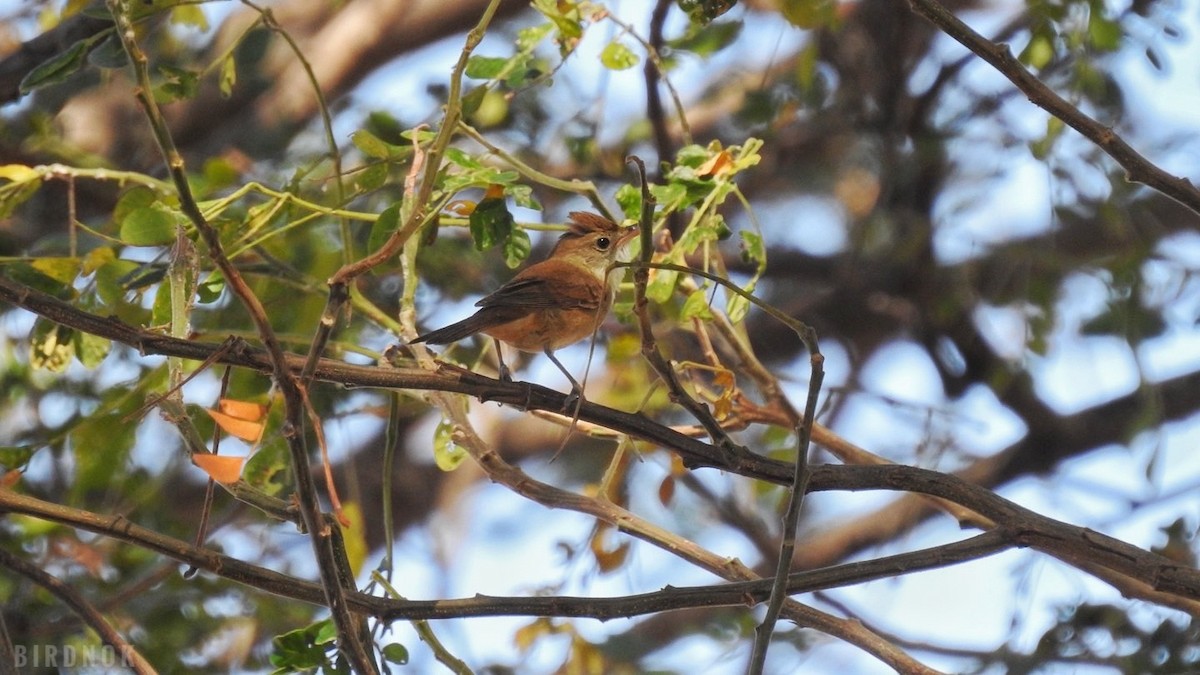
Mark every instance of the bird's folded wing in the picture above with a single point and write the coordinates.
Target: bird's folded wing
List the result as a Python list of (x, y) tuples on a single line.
[(567, 288)]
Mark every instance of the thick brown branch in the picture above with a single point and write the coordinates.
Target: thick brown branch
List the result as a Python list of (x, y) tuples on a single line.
[(520, 395), (670, 598)]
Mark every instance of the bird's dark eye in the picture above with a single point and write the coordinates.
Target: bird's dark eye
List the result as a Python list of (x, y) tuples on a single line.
[(603, 243)]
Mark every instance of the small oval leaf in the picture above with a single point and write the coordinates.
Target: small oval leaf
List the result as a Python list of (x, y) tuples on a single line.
[(147, 226)]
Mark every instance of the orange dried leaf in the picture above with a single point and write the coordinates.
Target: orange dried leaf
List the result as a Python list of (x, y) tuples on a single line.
[(221, 468), (715, 164), (244, 429), (243, 410)]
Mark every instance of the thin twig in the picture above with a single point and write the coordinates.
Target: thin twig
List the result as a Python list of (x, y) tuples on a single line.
[(320, 532), (1138, 169), (791, 519), (419, 213), (650, 351)]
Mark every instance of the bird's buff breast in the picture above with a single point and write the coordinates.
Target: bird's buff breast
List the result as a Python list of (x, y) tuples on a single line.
[(553, 328)]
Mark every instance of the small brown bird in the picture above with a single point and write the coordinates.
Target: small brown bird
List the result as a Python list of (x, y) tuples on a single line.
[(553, 303)]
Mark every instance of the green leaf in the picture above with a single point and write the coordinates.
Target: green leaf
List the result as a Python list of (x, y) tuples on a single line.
[(522, 196), (228, 76), (629, 198), (147, 226), (446, 453), (370, 177), (1038, 52), (110, 281), (326, 632), (616, 56), (370, 144), (736, 308), (485, 67), (383, 227), (160, 311), (189, 15), (491, 223), (110, 53), (810, 14), (91, 349), (176, 84), (661, 286), (696, 306), (297, 650), (58, 68), (134, 198), (1104, 32), (532, 36), (462, 158), (395, 653), (707, 40), (267, 469), (23, 183), (210, 289), (474, 99), (517, 248), (707, 230), (16, 456), (703, 11), (754, 251), (51, 346)]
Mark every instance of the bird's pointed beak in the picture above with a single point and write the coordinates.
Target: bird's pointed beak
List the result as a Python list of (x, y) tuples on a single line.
[(627, 235), (624, 238)]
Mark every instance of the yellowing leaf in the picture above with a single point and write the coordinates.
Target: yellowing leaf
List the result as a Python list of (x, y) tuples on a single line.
[(62, 270), (221, 468), (18, 173), (246, 430), (608, 559), (677, 466), (616, 56), (354, 536), (97, 258), (51, 346), (527, 636)]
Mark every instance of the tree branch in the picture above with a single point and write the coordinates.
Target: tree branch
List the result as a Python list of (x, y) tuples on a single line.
[(130, 657), (1138, 169)]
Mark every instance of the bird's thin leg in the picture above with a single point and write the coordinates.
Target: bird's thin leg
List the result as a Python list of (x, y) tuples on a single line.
[(505, 373), (576, 394)]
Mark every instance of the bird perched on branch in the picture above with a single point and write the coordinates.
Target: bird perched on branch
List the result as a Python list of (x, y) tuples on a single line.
[(556, 302)]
